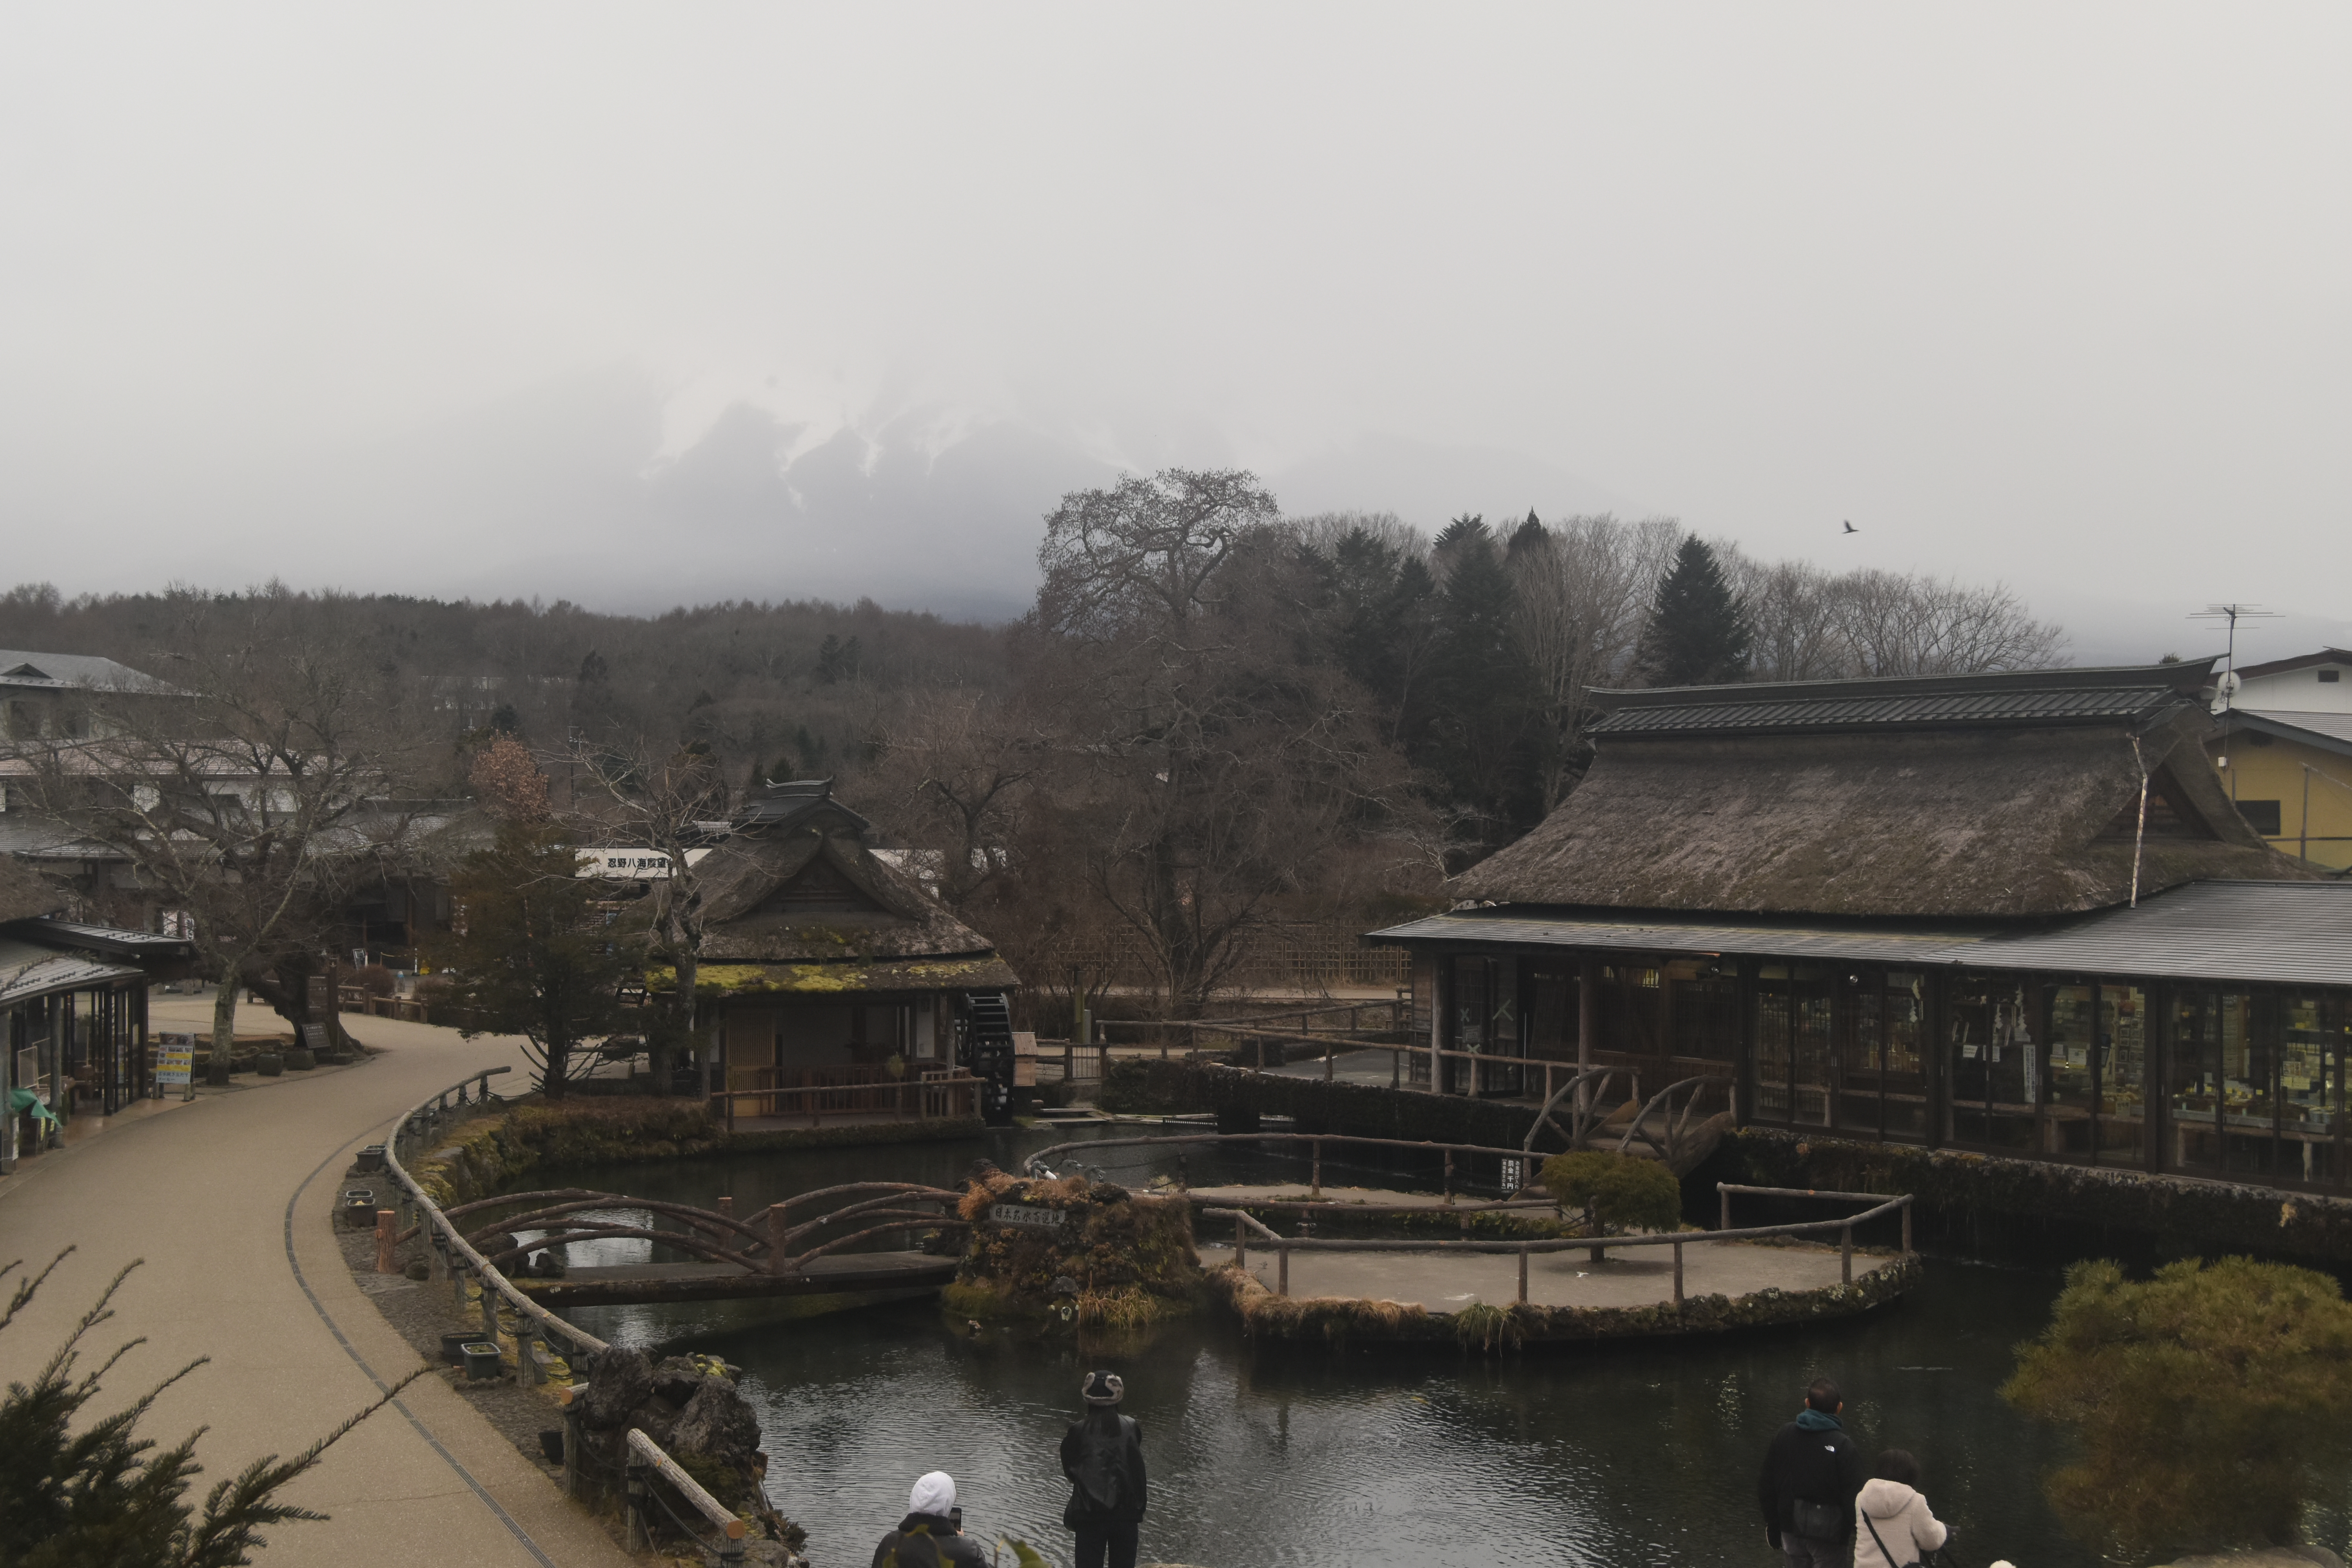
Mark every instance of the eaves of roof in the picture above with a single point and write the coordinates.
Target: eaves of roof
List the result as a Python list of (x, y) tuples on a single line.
[(2240, 932), (2327, 732)]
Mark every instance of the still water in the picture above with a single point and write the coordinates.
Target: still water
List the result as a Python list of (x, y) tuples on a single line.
[(1265, 1454)]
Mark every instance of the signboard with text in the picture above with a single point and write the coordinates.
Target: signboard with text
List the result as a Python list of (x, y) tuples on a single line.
[(175, 1058)]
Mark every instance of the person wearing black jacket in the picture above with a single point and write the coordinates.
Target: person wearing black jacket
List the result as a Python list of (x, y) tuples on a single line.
[(932, 1535), (1103, 1457), (1811, 1475)]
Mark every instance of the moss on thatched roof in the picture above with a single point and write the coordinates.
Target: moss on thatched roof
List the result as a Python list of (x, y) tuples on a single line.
[(808, 895), (1984, 821)]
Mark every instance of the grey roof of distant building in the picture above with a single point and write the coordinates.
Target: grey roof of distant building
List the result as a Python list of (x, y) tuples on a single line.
[(72, 671), (2004, 698), (2329, 731)]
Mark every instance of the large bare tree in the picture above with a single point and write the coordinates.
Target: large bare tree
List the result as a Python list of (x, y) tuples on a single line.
[(662, 798), (276, 774), (1215, 767)]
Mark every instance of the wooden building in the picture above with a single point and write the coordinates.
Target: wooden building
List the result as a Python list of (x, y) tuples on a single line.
[(2015, 913), (838, 985)]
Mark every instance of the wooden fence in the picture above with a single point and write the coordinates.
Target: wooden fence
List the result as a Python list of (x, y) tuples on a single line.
[(813, 1096)]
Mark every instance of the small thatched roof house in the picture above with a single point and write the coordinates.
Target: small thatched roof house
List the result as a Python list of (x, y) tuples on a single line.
[(1995, 796), (828, 965)]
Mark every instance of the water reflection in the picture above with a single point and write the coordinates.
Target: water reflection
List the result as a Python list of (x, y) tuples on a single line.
[(1277, 1455)]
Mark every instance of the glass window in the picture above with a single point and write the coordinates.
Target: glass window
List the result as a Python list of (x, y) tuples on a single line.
[(2122, 1067), (1814, 1006), (1705, 1002), (1551, 1014), (1772, 1045), (2311, 1076), (2223, 1100), (1907, 1070), (1995, 1066), (1857, 1020), (2072, 1106)]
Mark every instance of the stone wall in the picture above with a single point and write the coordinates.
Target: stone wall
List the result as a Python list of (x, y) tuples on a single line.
[(1984, 1206)]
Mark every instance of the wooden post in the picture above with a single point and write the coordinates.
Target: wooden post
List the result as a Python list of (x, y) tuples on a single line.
[(1726, 1210), (387, 1232), (1241, 1241), (1282, 1272), (489, 1312), (458, 1280), (1678, 1277), (1449, 1176), (1396, 1069), (1845, 1256), (1907, 1227), (727, 1206), (634, 1508), (1523, 1275), (1318, 1169), (776, 1228), (527, 1364), (1184, 1183)]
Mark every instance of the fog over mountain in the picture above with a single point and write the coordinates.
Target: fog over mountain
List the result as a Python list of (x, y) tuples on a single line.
[(643, 306)]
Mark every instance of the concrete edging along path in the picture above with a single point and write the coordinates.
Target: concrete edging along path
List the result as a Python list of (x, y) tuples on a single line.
[(230, 1200)]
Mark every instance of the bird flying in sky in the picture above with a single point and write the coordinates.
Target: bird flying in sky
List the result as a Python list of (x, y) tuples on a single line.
[(1851, 529)]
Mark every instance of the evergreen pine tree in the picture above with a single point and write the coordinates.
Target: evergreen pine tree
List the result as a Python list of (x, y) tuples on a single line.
[(1699, 633)]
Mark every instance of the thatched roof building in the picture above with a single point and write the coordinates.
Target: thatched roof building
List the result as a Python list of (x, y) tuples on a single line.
[(796, 901), (1991, 796)]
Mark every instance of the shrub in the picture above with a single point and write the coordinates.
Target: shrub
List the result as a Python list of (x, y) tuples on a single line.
[(2210, 1403), (1616, 1191)]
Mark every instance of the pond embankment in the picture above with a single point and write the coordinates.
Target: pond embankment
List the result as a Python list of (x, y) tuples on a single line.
[(494, 1151)]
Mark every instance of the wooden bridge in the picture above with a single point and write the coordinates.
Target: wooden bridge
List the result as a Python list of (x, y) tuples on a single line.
[(767, 1255)]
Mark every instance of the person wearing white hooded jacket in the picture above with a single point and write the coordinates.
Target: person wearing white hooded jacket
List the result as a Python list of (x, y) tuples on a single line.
[(1892, 1526)]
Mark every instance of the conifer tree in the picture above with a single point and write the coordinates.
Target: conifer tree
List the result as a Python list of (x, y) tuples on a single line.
[(1699, 633)]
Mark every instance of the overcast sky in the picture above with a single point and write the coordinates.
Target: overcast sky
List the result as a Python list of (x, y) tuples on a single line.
[(642, 303)]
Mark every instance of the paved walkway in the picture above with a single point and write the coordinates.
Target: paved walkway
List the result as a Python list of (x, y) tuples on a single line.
[(229, 1199)]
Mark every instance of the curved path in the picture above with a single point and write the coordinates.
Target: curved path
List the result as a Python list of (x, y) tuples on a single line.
[(229, 1200)]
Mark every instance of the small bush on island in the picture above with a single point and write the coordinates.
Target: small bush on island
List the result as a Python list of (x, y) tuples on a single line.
[(2211, 1403), (1616, 1193)]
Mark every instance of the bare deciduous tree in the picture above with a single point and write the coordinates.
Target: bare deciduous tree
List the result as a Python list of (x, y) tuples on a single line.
[(257, 795)]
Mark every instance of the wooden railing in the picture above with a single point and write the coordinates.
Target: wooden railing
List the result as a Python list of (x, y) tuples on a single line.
[(812, 1095)]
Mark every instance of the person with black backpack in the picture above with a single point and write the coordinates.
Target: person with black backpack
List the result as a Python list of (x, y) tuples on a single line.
[(1811, 1475), (1103, 1457), (932, 1535)]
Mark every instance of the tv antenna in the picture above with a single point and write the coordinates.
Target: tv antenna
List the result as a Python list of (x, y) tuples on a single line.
[(2232, 614)]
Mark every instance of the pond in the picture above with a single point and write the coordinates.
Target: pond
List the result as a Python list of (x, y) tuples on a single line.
[(1276, 1454)]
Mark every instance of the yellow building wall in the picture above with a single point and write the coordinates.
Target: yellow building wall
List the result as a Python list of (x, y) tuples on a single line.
[(2278, 771)]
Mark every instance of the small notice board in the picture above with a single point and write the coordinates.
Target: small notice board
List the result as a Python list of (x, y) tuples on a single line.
[(175, 1057), (1023, 1215)]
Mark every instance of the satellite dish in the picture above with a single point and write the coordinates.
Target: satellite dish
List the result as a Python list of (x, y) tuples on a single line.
[(2225, 689)]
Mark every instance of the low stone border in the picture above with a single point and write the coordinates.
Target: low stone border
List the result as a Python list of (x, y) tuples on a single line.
[(1342, 1319)]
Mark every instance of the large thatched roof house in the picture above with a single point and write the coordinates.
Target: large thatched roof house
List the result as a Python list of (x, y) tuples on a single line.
[(2015, 912)]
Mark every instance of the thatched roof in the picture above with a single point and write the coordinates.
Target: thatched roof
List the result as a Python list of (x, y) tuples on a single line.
[(2012, 798), (799, 887)]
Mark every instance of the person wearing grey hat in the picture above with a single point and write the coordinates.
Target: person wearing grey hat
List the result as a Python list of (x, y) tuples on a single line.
[(1103, 1457)]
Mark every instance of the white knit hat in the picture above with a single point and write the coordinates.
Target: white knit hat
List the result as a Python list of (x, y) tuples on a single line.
[(935, 1494)]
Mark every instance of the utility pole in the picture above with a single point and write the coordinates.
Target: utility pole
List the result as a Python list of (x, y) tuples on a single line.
[(2226, 689)]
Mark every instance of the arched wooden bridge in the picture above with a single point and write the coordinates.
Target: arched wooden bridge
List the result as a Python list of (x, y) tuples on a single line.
[(767, 1254)]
